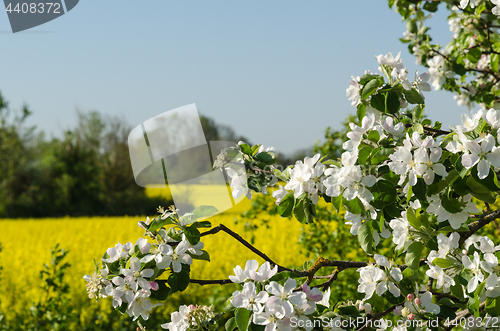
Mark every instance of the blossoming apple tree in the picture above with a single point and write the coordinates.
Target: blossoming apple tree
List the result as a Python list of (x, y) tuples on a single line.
[(418, 198)]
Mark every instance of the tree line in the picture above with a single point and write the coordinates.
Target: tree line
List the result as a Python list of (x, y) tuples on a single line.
[(87, 172)]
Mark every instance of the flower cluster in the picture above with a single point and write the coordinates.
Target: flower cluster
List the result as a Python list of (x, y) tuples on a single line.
[(399, 176), (130, 271), (190, 317), (271, 303), (373, 279)]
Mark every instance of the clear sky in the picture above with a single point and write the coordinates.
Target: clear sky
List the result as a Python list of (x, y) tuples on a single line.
[(276, 71)]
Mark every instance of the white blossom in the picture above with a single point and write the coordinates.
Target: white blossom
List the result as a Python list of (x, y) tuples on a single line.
[(286, 295), (271, 315), (484, 154), (369, 276), (179, 320), (442, 278), (353, 92), (473, 266), (249, 299), (496, 10), (141, 306), (445, 245)]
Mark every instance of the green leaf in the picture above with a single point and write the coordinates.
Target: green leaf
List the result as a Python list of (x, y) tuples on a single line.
[(479, 291), (410, 274), (374, 136), (304, 210), (412, 218), (474, 54), (286, 205), (330, 162), (420, 189), (411, 25), (443, 263), (459, 69), (360, 112), (174, 234), (479, 9), (391, 212), (392, 103), (158, 223), (431, 6), (245, 149), (378, 102), (370, 88), (417, 127), (364, 153), (417, 112), (450, 205), (231, 324), (494, 62), (446, 313), (309, 210), (298, 210), (266, 157), (242, 316), (409, 194), (448, 302), (381, 155), (460, 186), (203, 211), (384, 193), (162, 293), (354, 206), (413, 96), (255, 148), (368, 77), (178, 281), (407, 286), (365, 237), (489, 182), (436, 188), (479, 191), (192, 235), (203, 257), (280, 175), (457, 290), (493, 306), (412, 258), (337, 202), (202, 224)]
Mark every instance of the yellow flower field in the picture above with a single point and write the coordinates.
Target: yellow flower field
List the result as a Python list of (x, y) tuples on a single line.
[(26, 247)]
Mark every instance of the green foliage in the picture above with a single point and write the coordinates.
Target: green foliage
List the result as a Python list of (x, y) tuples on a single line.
[(476, 39)]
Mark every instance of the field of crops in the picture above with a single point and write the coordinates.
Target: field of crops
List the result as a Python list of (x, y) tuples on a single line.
[(26, 247)]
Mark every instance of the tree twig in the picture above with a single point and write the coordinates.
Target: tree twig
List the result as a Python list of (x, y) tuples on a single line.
[(222, 227), (376, 317), (476, 225)]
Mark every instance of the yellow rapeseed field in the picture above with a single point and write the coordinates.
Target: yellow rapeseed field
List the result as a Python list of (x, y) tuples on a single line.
[(26, 247)]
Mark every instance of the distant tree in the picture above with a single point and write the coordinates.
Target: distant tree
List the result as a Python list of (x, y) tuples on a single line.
[(88, 172)]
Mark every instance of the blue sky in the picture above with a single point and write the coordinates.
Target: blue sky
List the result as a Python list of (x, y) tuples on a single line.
[(276, 71)]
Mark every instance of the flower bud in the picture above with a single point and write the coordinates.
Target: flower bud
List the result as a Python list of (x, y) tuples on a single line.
[(405, 312), (397, 311), (417, 301), (410, 296), (464, 251), (154, 286), (411, 317), (192, 307)]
